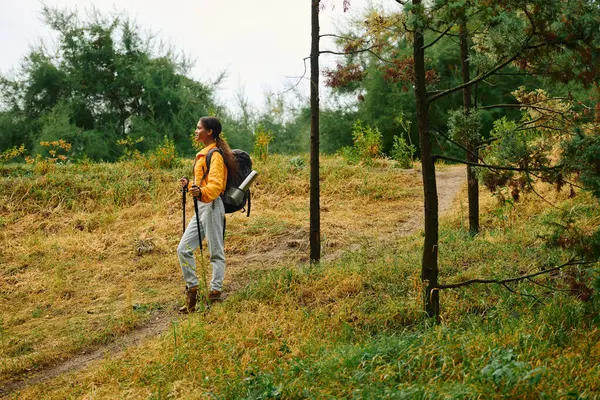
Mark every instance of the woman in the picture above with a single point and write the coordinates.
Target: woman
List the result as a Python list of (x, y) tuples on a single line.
[(207, 190)]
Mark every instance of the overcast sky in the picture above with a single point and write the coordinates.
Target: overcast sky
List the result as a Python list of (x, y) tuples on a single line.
[(260, 43)]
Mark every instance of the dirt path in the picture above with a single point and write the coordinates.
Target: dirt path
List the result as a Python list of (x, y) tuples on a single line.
[(449, 183)]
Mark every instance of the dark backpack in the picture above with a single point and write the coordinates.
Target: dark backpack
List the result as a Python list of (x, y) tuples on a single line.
[(234, 180)]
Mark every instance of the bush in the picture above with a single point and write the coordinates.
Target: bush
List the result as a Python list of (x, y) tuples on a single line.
[(11, 153), (262, 138), (403, 152), (367, 144), (164, 156)]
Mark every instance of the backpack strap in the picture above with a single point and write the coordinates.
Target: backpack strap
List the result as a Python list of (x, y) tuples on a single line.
[(208, 158)]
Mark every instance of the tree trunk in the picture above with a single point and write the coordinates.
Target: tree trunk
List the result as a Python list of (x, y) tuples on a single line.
[(472, 145), (429, 267), (315, 212)]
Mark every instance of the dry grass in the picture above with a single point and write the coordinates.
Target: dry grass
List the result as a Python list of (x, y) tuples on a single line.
[(87, 251)]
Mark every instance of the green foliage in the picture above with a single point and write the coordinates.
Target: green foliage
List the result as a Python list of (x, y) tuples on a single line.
[(164, 156), (11, 153), (464, 127), (104, 83), (335, 127), (403, 152), (13, 129), (366, 147), (262, 138), (569, 230), (297, 162), (129, 149), (582, 156), (504, 371)]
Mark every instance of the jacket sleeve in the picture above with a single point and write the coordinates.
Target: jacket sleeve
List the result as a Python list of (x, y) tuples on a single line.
[(216, 179)]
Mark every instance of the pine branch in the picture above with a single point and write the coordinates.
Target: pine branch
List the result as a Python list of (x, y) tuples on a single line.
[(489, 73), (474, 80), (441, 35)]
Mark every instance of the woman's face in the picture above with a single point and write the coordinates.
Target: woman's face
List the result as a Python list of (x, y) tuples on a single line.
[(202, 134)]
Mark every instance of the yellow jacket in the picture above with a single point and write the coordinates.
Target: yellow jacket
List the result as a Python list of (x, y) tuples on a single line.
[(214, 184)]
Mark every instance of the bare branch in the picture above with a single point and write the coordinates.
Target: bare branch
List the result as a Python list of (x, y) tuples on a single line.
[(546, 286), (447, 33), (525, 105), (566, 181), (509, 280), (500, 167), (455, 143), (529, 123), (543, 198), (519, 293), (335, 36), (367, 50), (300, 78), (346, 53), (529, 105), (541, 126)]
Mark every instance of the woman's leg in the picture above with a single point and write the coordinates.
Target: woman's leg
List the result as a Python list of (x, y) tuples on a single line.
[(213, 222), (185, 252)]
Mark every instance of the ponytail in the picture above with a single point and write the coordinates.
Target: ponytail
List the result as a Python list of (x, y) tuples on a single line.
[(230, 160)]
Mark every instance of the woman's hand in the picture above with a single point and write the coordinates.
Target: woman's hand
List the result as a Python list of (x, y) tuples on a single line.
[(195, 191), (184, 182)]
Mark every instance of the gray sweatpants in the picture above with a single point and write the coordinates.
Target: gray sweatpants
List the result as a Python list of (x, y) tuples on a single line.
[(212, 217)]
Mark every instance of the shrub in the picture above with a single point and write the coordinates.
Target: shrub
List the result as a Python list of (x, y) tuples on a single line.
[(403, 152), (262, 138), (128, 147), (367, 144), (11, 153), (164, 156)]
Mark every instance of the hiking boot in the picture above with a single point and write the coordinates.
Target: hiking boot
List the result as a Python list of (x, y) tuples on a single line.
[(190, 301), (214, 295)]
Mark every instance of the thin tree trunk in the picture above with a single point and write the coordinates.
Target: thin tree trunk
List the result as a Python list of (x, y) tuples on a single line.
[(472, 145), (315, 217), (429, 267)]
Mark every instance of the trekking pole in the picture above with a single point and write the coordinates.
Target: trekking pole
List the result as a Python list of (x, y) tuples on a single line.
[(183, 196), (206, 294)]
